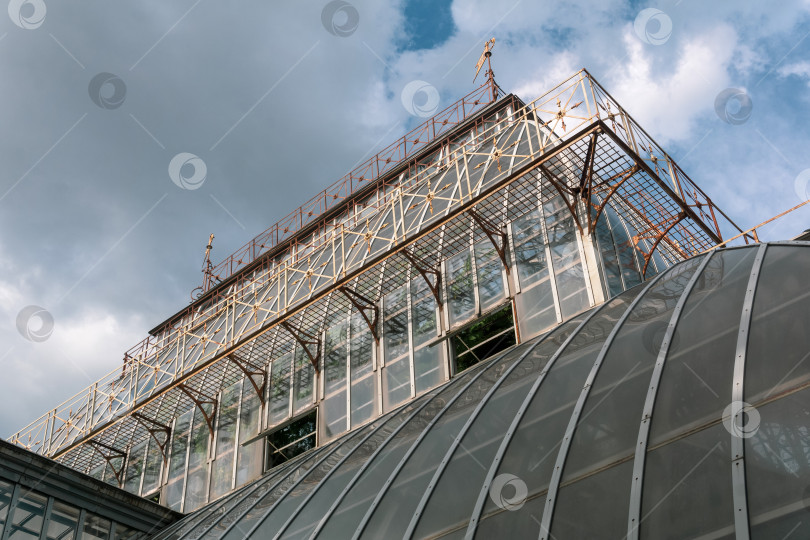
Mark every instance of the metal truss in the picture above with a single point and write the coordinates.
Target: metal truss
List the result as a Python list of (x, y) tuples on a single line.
[(365, 174), (575, 140)]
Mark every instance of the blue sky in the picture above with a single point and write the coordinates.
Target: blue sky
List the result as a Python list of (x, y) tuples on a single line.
[(279, 104)]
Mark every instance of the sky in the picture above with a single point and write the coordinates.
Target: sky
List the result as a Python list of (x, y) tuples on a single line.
[(133, 130)]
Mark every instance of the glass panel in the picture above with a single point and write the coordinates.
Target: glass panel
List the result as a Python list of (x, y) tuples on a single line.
[(6, 489), (63, 522), (197, 478), (624, 249), (364, 380), (396, 324), (462, 479), (97, 472), (568, 271), (275, 490), (610, 261), (608, 427), (779, 342), (695, 384), (326, 493), (396, 508), (116, 463), (135, 468), (333, 406), (303, 381), (177, 467), (600, 521), (95, 527), (689, 477), (460, 294), (153, 467), (357, 501), (249, 456), (29, 513), (396, 383), (222, 466), (428, 361), (491, 290), (777, 465), (284, 507), (484, 338), (397, 370), (247, 500), (532, 452), (280, 390), (535, 303)]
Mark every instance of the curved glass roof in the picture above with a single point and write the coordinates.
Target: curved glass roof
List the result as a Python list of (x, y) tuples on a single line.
[(677, 409)]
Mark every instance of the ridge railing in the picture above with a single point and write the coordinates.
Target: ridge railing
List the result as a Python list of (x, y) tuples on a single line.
[(361, 176)]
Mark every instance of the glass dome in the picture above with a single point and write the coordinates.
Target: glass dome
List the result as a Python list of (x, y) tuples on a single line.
[(680, 408)]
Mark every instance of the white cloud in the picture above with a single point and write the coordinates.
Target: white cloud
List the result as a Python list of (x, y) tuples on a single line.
[(801, 69), (668, 102)]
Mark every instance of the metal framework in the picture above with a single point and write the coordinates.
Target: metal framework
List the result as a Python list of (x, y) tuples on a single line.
[(565, 445), (644, 427), (454, 409), (462, 175)]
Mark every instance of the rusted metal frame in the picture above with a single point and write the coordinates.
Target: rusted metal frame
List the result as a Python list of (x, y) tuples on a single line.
[(563, 189), (425, 270), (666, 216), (586, 178), (400, 144), (326, 223), (714, 235), (306, 340), (153, 427), (494, 233), (200, 400), (114, 453), (251, 371), (378, 186), (661, 234), (363, 304), (350, 276), (650, 225), (594, 219)]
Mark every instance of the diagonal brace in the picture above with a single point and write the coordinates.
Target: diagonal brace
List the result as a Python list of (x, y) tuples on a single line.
[(366, 307), (308, 342), (109, 453), (155, 428), (496, 235), (251, 371), (425, 271), (199, 400)]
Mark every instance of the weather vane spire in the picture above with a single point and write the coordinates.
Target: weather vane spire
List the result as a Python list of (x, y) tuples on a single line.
[(485, 56)]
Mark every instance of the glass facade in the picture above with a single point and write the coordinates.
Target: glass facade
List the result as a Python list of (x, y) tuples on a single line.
[(495, 291), (619, 422)]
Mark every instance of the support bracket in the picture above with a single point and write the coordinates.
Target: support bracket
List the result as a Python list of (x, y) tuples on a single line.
[(660, 234), (366, 307), (155, 428), (199, 400), (251, 371), (109, 453), (425, 271), (496, 234), (307, 341)]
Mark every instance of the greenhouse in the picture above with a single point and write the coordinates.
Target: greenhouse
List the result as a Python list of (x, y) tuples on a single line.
[(676, 409)]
